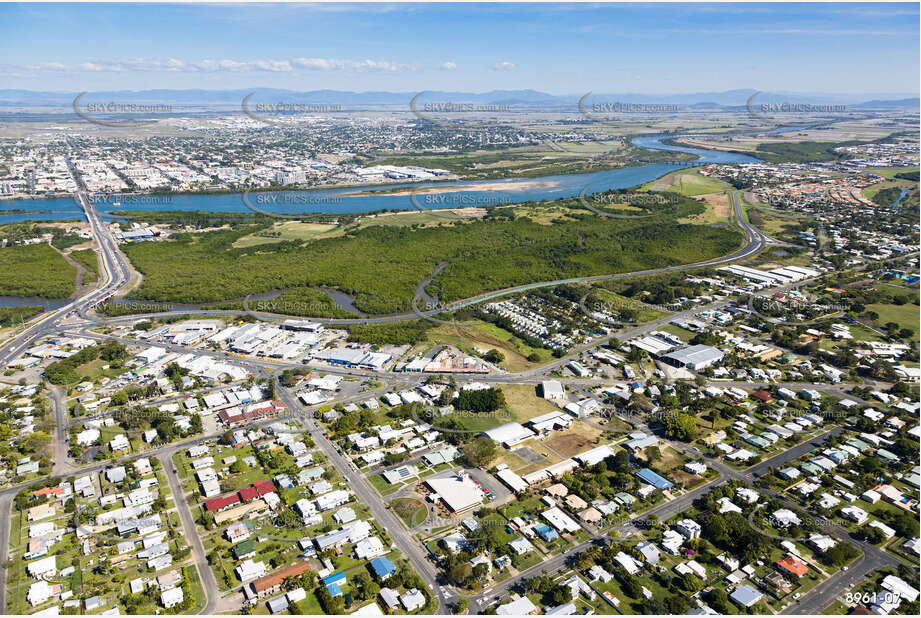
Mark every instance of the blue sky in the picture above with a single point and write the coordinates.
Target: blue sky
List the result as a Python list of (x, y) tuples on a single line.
[(560, 49)]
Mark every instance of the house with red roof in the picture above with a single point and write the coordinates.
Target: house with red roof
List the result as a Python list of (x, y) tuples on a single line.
[(792, 566), (221, 502)]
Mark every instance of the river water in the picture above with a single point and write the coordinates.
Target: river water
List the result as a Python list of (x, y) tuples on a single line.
[(495, 192)]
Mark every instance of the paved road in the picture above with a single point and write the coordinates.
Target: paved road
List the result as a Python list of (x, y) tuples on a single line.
[(205, 574), (60, 442), (116, 276), (369, 497), (6, 505)]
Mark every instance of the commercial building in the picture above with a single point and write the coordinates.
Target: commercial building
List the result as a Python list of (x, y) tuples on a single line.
[(695, 357), (457, 492)]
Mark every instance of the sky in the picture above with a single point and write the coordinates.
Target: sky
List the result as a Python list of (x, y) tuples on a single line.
[(555, 48)]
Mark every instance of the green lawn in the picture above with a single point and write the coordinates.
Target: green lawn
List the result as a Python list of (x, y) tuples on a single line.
[(906, 316)]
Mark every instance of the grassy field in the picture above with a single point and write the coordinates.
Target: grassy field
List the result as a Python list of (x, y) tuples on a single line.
[(615, 303), (524, 403), (906, 316), (411, 510), (485, 336), (871, 191), (778, 227), (688, 183), (890, 172), (289, 230), (718, 210), (35, 270), (577, 439)]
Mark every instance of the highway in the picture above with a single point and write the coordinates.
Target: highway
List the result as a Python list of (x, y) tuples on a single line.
[(116, 275)]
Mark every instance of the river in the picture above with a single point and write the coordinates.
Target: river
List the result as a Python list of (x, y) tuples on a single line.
[(502, 191)]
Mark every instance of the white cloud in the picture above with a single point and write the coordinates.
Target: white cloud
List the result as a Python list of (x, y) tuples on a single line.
[(447, 66), (504, 66), (222, 65)]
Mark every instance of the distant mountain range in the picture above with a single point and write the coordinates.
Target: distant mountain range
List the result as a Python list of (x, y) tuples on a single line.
[(530, 99)]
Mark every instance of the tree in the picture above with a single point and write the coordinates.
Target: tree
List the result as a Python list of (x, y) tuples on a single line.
[(681, 426), (483, 400), (494, 356), (460, 572), (479, 451), (632, 587)]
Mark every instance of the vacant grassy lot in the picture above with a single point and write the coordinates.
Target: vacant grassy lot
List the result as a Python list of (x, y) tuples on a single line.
[(906, 316), (290, 230), (718, 210), (482, 335), (890, 172), (689, 183), (524, 403), (633, 309), (88, 259)]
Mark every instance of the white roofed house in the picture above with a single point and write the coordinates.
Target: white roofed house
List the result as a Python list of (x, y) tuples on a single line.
[(784, 518), (172, 597), (628, 562), (689, 528), (854, 513), (552, 390), (249, 570)]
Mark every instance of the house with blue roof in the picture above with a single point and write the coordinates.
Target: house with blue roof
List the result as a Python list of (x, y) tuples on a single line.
[(654, 479), (546, 532), (383, 567), (333, 583)]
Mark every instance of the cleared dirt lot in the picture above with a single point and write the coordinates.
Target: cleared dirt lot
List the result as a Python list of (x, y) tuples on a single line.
[(578, 438)]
